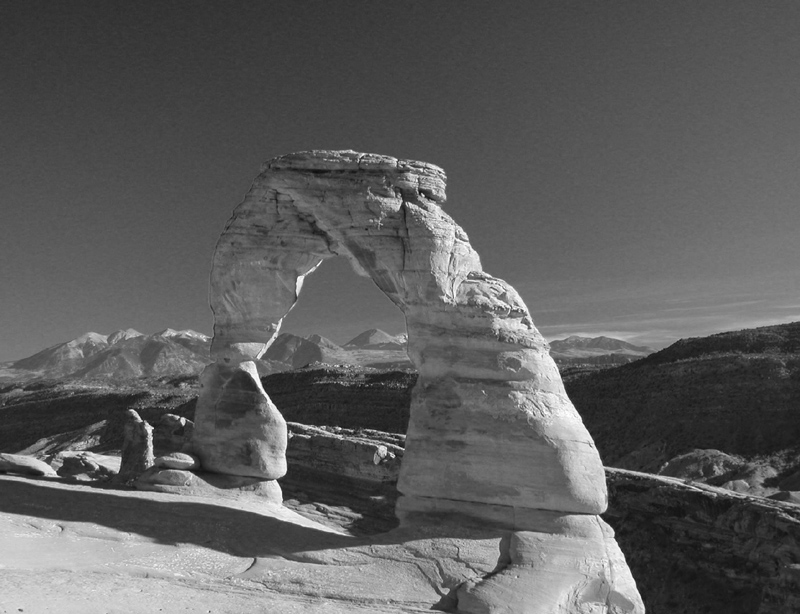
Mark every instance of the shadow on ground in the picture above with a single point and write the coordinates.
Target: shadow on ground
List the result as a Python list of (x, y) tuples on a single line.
[(170, 520), (167, 520)]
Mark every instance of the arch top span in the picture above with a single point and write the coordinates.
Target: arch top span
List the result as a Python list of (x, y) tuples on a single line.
[(381, 213)]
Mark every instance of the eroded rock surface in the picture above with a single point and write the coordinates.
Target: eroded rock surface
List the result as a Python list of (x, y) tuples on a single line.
[(696, 548), (137, 447), (209, 485), (83, 465), (492, 434), (172, 433), (21, 464), (345, 453), (177, 460), (238, 430)]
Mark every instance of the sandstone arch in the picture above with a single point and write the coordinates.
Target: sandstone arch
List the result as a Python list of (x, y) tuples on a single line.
[(492, 435)]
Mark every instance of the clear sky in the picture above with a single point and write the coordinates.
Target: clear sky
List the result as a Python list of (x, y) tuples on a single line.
[(632, 168)]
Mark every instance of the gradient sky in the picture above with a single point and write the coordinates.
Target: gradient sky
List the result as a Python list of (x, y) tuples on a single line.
[(632, 168)]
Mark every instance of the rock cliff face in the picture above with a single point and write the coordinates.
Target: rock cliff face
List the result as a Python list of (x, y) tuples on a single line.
[(696, 548), (492, 434), (368, 456)]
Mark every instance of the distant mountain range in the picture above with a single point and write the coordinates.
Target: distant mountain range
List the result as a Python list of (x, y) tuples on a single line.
[(577, 350), (123, 354), (127, 354), (376, 339), (372, 348)]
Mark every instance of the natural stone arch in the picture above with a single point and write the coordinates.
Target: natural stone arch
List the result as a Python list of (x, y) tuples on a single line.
[(492, 433), (489, 398)]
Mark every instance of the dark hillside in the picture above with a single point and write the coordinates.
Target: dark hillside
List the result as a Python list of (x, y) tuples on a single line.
[(780, 339), (738, 392), (29, 412), (346, 396), (324, 395)]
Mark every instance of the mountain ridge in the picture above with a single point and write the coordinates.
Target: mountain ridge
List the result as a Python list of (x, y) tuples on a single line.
[(376, 339), (123, 354), (598, 351), (601, 343), (128, 353)]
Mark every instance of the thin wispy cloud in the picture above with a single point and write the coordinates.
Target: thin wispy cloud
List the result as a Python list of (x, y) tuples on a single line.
[(654, 316), (714, 306)]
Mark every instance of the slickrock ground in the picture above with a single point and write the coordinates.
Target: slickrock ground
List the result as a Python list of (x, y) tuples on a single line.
[(694, 549), (82, 549)]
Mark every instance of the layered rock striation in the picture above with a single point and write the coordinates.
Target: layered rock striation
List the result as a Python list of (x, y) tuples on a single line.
[(492, 434), (137, 447), (698, 548)]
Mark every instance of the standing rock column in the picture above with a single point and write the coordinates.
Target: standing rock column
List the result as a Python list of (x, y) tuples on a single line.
[(492, 435), (137, 447), (238, 430)]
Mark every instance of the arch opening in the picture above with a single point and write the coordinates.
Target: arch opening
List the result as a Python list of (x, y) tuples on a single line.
[(338, 304)]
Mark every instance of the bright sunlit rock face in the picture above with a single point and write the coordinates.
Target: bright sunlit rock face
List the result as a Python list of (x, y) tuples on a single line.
[(238, 430), (492, 436)]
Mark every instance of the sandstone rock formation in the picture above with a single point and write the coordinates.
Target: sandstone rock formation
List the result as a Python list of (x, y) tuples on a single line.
[(492, 434), (21, 464), (210, 485), (176, 460), (238, 430), (344, 454), (701, 465), (83, 465), (137, 447), (696, 548), (172, 433)]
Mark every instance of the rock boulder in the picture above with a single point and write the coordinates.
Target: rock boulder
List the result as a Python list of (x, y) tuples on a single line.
[(83, 465), (25, 465), (137, 447), (238, 430), (172, 433)]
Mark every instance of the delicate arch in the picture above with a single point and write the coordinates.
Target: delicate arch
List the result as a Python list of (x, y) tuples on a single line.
[(492, 432)]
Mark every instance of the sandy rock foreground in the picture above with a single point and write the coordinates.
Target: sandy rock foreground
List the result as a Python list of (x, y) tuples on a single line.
[(71, 548)]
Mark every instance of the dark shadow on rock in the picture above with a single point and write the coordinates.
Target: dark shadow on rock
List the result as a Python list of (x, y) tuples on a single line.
[(228, 530), (365, 508), (173, 521)]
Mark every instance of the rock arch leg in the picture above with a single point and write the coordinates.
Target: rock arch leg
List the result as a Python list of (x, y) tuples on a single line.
[(493, 435), (238, 430)]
